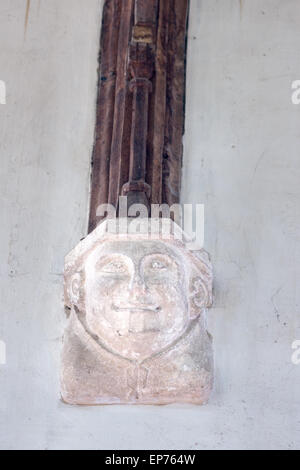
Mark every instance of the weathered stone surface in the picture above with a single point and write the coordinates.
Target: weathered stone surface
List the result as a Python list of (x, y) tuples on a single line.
[(137, 329)]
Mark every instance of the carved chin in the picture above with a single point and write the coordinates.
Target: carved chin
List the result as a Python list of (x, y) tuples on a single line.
[(143, 323), (138, 335), (138, 346)]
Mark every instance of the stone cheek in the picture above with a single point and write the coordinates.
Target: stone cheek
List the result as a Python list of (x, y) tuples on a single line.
[(136, 333)]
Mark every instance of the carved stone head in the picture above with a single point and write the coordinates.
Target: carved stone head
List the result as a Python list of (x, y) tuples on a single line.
[(136, 295)]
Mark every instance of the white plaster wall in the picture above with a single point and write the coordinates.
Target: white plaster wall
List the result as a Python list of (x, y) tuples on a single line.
[(241, 160)]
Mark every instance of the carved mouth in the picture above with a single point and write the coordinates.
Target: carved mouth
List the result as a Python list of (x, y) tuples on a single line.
[(137, 308), (142, 318)]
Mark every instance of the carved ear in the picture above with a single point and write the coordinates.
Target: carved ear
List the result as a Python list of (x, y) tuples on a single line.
[(72, 290), (199, 294), (201, 282), (75, 288)]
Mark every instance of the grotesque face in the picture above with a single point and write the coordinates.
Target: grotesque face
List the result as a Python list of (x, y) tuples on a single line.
[(136, 296)]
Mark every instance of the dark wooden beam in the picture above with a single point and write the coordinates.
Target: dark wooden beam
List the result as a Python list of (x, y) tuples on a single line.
[(140, 107), (120, 144), (108, 59), (175, 101)]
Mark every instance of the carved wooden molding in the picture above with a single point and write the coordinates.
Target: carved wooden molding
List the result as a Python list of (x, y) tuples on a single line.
[(140, 106)]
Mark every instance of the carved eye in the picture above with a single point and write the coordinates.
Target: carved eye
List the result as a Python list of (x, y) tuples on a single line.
[(114, 267), (158, 265), (160, 268)]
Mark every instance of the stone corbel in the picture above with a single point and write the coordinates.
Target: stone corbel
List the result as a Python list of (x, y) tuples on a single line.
[(136, 294)]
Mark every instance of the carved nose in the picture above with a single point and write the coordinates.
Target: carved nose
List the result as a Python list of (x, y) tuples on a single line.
[(138, 287)]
